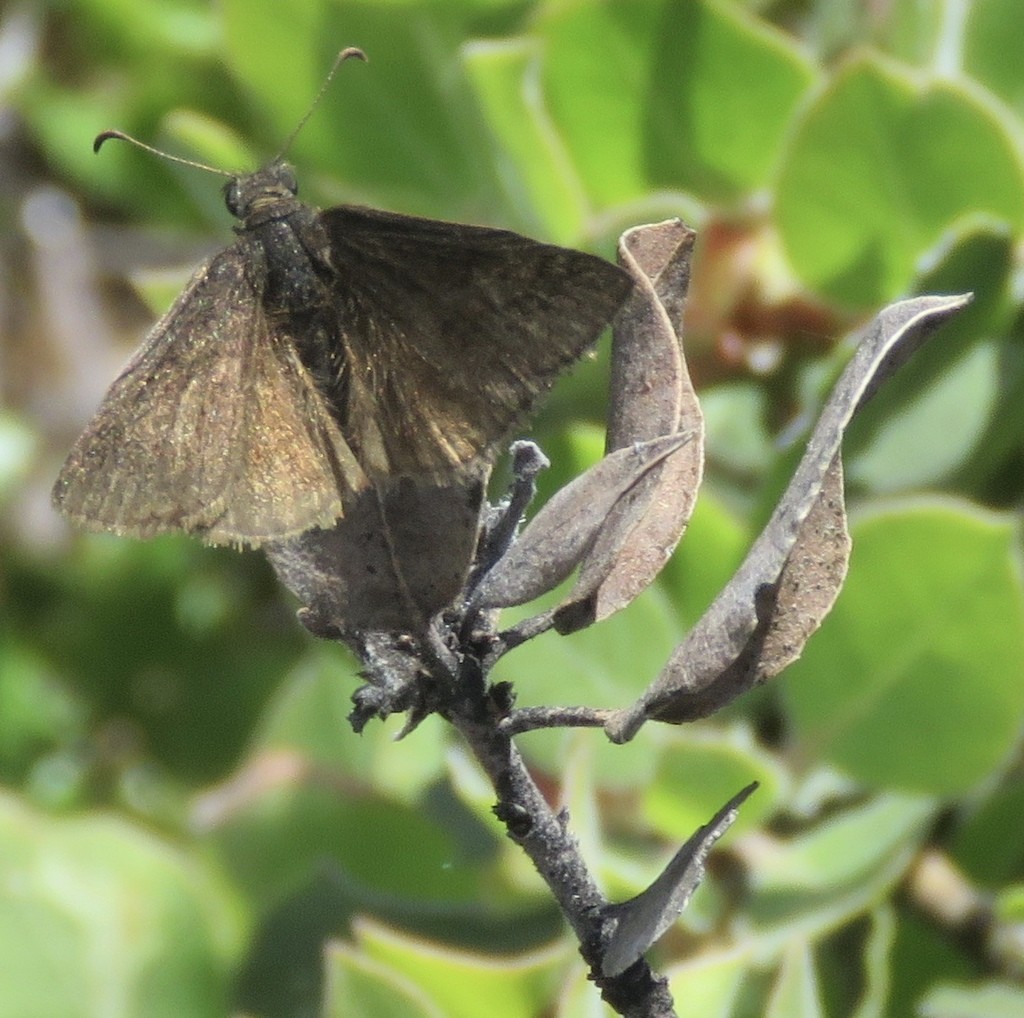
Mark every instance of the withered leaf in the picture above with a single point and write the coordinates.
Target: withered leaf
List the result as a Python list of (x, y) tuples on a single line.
[(649, 381), (722, 654), (642, 920), (651, 395), (559, 535), (810, 580), (789, 610)]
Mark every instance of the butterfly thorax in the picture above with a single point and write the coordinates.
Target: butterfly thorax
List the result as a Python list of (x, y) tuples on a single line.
[(284, 234)]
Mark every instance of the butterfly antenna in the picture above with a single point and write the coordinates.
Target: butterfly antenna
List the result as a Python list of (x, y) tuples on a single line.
[(121, 136), (345, 54)]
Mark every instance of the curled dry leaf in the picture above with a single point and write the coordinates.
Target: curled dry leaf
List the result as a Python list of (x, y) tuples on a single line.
[(751, 629), (643, 919), (649, 381), (560, 534), (651, 395), (621, 520), (374, 571)]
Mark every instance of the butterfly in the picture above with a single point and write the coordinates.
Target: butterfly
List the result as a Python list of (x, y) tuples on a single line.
[(322, 353)]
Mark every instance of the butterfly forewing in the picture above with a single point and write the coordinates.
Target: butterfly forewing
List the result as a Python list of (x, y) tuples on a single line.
[(452, 332)]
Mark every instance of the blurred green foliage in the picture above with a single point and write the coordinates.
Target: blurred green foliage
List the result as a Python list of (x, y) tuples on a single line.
[(188, 826)]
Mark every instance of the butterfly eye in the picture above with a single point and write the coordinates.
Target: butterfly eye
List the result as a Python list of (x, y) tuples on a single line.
[(232, 198)]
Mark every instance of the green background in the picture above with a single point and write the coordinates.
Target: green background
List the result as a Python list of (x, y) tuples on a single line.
[(188, 826)]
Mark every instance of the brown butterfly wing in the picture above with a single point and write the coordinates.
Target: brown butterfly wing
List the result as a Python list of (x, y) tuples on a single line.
[(452, 332), (213, 428)]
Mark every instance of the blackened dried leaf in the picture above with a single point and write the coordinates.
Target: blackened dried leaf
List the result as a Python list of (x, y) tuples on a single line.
[(643, 919), (721, 656), (560, 534), (398, 557), (651, 395)]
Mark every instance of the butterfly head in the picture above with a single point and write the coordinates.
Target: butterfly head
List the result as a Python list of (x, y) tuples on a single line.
[(263, 189)]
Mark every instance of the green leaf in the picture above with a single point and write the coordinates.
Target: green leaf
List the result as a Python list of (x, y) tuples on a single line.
[(991, 53), (206, 139), (844, 849), (467, 985), (37, 712), (722, 91), (360, 988), (735, 416), (988, 1000), (988, 843), (914, 679), (1009, 907), (197, 669), (309, 715), (687, 95), (99, 918), (698, 773), (917, 33), (878, 168), (955, 412), (877, 959), (268, 44), (148, 29), (283, 821), (402, 131), (813, 884), (708, 986), (595, 77), (712, 547), (802, 889), (795, 993), (919, 447), (538, 174), (922, 957), (601, 666)]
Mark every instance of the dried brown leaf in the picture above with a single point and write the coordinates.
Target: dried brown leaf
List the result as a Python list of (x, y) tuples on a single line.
[(651, 395), (560, 534), (749, 631), (649, 380)]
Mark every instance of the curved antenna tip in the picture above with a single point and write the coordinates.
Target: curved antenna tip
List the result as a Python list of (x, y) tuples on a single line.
[(345, 54), (106, 136)]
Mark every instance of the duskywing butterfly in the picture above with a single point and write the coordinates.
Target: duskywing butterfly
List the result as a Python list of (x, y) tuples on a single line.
[(322, 353)]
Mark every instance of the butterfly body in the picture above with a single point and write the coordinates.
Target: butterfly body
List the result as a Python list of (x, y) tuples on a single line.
[(325, 352)]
